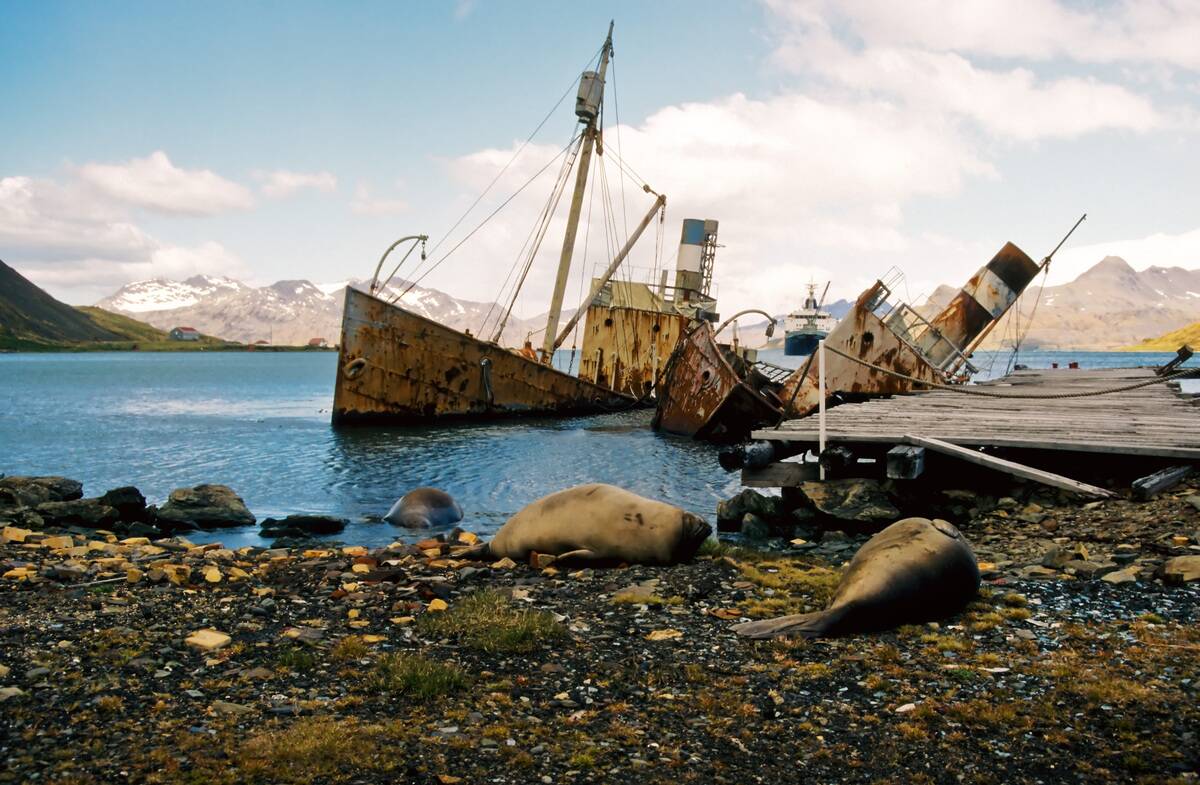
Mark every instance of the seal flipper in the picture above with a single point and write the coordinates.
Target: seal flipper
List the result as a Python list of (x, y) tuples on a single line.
[(581, 554), (480, 552), (808, 625)]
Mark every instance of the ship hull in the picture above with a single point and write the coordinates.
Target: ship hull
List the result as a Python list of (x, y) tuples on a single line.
[(801, 344), (703, 396), (397, 367)]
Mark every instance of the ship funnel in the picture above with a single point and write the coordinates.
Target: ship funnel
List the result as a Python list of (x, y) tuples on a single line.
[(697, 249), (972, 312)]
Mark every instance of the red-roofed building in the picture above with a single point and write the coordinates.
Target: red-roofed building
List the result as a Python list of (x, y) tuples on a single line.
[(184, 334)]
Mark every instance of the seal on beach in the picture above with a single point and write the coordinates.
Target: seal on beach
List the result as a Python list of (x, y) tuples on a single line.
[(915, 570), (599, 523), (421, 508)]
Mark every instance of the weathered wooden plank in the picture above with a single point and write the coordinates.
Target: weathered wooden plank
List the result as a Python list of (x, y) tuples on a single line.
[(1158, 482), (785, 474), (1010, 467)]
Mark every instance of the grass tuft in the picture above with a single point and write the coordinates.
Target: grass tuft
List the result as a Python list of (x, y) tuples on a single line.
[(487, 621), (415, 675)]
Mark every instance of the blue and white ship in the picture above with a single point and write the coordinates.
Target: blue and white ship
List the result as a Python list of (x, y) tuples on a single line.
[(805, 327)]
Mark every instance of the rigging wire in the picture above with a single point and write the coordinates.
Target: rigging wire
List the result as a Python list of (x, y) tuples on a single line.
[(617, 116), (504, 287), (491, 215), (524, 144), (544, 226)]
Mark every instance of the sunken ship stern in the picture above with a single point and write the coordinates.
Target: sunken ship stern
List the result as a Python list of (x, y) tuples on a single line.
[(398, 367)]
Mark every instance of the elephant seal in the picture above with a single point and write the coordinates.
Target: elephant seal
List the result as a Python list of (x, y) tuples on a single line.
[(599, 523), (915, 570), (421, 508)]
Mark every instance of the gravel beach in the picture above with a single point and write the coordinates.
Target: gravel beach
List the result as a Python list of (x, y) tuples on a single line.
[(138, 660)]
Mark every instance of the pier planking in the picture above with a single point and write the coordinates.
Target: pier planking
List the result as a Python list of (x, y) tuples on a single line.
[(1149, 421)]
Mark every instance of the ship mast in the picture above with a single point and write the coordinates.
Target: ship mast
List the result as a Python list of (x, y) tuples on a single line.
[(587, 108)]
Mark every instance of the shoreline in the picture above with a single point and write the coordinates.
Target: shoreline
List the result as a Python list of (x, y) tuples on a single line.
[(408, 664)]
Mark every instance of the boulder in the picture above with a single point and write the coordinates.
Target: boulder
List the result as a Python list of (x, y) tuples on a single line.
[(300, 525), (206, 507), (754, 528), (128, 501), (88, 513), (730, 512), (1181, 569), (851, 500), (32, 491)]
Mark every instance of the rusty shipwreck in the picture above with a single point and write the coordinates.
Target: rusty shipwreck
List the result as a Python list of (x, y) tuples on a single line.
[(881, 347), (395, 366)]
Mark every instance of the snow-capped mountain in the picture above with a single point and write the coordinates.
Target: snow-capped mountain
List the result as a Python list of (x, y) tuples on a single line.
[(162, 294), (1108, 306), (289, 312)]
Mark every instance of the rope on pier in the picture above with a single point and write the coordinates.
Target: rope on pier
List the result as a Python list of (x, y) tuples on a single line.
[(965, 390)]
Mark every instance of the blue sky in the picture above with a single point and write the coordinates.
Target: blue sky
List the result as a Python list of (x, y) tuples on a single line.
[(832, 140)]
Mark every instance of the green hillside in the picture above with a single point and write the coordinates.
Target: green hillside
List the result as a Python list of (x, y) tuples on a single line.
[(1189, 335), (33, 321), (29, 314)]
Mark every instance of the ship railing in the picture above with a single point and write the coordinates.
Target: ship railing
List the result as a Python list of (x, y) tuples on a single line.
[(909, 326), (776, 373)]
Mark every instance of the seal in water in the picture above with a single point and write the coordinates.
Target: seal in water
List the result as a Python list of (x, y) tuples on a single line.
[(915, 570), (599, 523), (421, 508)]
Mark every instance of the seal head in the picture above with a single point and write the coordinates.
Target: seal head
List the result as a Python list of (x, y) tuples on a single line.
[(422, 508)]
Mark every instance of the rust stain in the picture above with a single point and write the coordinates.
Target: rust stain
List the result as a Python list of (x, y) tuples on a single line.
[(704, 395), (410, 369)]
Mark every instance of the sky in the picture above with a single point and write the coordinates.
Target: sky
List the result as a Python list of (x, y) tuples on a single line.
[(831, 140)]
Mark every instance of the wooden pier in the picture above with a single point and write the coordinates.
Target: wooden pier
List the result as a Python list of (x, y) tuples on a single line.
[(1154, 420)]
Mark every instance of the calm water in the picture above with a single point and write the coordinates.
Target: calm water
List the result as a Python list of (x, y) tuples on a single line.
[(260, 424)]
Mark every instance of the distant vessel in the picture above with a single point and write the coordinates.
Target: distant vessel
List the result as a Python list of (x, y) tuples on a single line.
[(805, 328)]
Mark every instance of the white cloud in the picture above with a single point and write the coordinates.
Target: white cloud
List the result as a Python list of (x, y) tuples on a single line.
[(284, 183), (364, 203), (78, 244), (802, 187), (157, 184), (1156, 250), (1133, 31)]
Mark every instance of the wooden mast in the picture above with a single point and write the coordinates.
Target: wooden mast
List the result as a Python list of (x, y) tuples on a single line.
[(590, 134)]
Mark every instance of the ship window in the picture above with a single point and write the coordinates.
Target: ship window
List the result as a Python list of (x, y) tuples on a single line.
[(656, 328), (608, 322), (868, 338), (706, 375)]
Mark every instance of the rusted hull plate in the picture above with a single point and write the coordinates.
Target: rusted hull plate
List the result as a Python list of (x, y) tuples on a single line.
[(395, 366), (624, 349), (701, 394), (862, 334)]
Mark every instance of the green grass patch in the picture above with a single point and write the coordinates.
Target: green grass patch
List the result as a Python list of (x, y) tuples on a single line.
[(415, 675), (487, 621)]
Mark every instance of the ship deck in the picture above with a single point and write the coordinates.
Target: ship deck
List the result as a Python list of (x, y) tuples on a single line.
[(1156, 420)]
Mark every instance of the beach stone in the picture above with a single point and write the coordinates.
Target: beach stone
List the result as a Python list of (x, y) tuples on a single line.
[(87, 513), (733, 510), (10, 692), (1117, 577), (32, 491), (128, 501), (1194, 501), (754, 527), (1089, 569), (851, 500), (207, 640), (225, 707), (300, 525), (1181, 569), (206, 506)]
